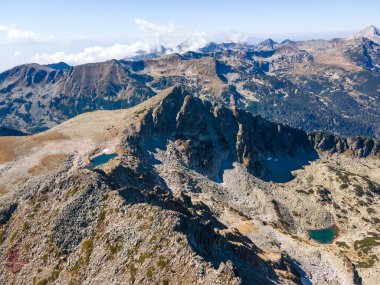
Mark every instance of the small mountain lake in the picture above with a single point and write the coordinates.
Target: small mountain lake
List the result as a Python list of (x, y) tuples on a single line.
[(100, 159), (324, 235)]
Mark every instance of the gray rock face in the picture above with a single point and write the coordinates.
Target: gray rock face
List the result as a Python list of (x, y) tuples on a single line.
[(357, 146)]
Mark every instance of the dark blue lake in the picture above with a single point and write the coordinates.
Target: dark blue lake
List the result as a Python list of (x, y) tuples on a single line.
[(100, 159), (324, 235)]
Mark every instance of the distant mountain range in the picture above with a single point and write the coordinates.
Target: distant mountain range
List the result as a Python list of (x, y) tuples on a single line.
[(329, 85)]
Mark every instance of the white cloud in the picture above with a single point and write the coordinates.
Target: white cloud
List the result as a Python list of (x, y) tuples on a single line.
[(94, 54), (152, 36), (16, 53), (156, 29), (237, 37), (155, 36), (14, 34)]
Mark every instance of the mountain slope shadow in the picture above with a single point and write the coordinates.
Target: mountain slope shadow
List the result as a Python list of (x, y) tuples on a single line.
[(280, 168)]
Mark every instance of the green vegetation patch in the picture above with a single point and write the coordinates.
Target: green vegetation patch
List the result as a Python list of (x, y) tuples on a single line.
[(114, 247), (359, 190), (343, 186), (364, 249), (161, 263), (342, 244), (132, 272), (139, 112), (43, 281), (150, 272), (144, 256)]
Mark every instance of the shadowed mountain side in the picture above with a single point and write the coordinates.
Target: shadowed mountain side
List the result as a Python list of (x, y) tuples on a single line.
[(10, 132)]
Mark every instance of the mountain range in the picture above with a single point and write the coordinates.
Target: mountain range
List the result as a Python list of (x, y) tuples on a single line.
[(313, 85), (234, 164)]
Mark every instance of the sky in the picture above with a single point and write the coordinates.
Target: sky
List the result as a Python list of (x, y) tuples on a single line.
[(82, 31)]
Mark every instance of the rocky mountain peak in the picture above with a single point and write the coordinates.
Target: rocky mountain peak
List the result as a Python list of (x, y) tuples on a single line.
[(268, 44), (370, 32)]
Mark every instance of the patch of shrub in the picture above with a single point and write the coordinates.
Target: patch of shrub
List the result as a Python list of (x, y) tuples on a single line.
[(358, 190), (87, 247), (370, 262), (25, 227), (366, 244), (102, 216), (343, 186), (161, 263), (43, 281), (150, 272), (114, 247), (342, 244), (370, 211), (376, 220), (132, 272), (54, 275), (143, 257)]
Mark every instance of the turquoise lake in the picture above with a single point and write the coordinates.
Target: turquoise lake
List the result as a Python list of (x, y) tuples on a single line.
[(100, 159), (324, 235)]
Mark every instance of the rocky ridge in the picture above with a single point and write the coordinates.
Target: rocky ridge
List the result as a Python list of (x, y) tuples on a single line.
[(194, 196)]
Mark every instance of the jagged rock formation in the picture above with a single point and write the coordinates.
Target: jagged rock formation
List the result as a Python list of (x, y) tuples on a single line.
[(313, 85), (190, 198), (361, 147)]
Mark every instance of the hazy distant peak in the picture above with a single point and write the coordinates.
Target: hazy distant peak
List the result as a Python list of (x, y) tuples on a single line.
[(267, 44), (59, 65), (370, 32)]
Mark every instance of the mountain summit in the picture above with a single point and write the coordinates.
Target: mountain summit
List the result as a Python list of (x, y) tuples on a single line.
[(370, 32)]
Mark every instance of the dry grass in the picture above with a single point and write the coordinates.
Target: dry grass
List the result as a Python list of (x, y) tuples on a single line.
[(47, 163), (49, 136), (2, 190), (7, 149), (246, 228), (338, 61), (10, 147)]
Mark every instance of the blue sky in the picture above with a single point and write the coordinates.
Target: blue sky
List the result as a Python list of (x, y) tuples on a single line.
[(83, 31)]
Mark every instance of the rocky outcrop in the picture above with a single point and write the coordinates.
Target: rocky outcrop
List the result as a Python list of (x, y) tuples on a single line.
[(355, 146)]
